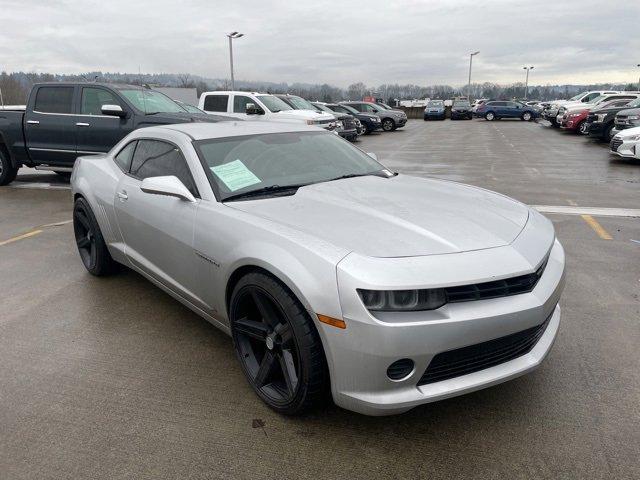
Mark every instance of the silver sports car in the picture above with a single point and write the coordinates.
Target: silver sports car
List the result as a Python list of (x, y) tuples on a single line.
[(328, 270)]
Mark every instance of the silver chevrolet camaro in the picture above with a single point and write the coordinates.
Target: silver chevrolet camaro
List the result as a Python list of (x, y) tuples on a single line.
[(328, 270)]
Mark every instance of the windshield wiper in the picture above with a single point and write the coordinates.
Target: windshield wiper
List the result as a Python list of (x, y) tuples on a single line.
[(291, 189)]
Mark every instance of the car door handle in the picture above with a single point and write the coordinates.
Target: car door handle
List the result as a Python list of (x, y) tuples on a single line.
[(82, 124), (122, 195), (33, 122)]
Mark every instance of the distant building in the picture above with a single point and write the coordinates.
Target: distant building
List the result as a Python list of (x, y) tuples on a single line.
[(184, 95)]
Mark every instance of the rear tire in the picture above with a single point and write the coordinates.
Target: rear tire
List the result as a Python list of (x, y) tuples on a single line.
[(277, 345), (388, 125), (490, 116), (91, 245), (8, 172), (526, 116)]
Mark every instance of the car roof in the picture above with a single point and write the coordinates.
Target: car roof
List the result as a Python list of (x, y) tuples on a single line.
[(205, 130)]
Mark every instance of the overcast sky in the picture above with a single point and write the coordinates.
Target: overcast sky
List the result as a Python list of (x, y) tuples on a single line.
[(338, 42)]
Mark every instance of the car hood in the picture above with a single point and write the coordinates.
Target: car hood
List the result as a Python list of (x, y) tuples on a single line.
[(630, 111), (396, 217), (628, 132), (304, 115)]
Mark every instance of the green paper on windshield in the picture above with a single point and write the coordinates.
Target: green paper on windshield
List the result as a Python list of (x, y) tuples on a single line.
[(235, 175)]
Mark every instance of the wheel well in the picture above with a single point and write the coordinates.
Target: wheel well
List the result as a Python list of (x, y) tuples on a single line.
[(238, 274), (77, 196)]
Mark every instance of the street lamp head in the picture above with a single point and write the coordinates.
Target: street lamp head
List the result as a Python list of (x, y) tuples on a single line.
[(475, 53), (235, 35)]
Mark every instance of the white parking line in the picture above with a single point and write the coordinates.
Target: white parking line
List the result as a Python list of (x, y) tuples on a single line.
[(596, 211)]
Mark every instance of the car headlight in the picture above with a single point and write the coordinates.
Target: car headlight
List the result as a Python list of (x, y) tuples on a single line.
[(574, 115), (600, 117), (340, 124), (402, 300), (633, 117), (633, 138), (313, 122)]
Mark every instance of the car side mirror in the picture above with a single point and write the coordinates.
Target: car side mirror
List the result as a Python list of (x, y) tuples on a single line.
[(253, 109), (373, 155), (113, 111), (169, 186)]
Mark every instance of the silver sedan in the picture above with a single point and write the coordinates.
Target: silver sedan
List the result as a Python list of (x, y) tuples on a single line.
[(329, 271)]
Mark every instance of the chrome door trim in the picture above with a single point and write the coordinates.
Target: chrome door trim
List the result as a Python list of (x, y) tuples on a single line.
[(82, 124), (33, 122)]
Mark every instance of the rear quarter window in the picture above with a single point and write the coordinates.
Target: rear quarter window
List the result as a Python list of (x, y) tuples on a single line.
[(54, 100), (216, 103)]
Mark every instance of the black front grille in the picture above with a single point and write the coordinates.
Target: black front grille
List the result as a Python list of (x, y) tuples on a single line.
[(349, 123), (474, 358), (496, 288), (591, 118), (615, 144)]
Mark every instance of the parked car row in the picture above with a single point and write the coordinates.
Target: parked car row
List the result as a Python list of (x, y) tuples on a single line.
[(488, 109), (609, 116), (292, 108), (64, 120)]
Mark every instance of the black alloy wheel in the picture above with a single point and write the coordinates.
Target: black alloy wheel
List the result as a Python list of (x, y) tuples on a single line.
[(277, 344), (91, 246), (388, 125)]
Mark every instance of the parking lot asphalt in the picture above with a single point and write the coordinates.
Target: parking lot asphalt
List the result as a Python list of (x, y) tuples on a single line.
[(112, 378)]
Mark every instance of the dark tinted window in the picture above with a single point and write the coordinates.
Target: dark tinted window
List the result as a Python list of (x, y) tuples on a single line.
[(94, 98), (54, 100), (496, 104), (216, 103), (358, 106), (154, 158), (240, 103), (123, 159)]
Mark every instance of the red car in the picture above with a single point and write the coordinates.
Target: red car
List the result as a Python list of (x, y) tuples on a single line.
[(575, 121)]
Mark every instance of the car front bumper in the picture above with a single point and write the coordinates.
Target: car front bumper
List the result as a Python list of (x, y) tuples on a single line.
[(360, 354), (440, 115), (625, 147), (596, 129)]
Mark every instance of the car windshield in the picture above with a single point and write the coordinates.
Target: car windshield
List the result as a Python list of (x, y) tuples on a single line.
[(237, 165), (436, 103), (633, 103), (301, 103), (149, 101), (191, 108), (322, 107), (461, 103), (577, 97), (273, 104), (347, 108), (385, 106), (598, 99)]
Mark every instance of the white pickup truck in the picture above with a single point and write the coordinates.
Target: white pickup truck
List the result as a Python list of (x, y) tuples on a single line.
[(261, 106)]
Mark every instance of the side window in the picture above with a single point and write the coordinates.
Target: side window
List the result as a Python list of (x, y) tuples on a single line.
[(340, 109), (240, 103), (54, 100), (154, 158), (370, 108), (93, 99), (123, 158), (590, 97), (216, 103), (358, 107)]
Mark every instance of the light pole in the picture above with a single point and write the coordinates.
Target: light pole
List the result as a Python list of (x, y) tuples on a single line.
[(639, 78), (526, 83), (469, 84), (231, 36)]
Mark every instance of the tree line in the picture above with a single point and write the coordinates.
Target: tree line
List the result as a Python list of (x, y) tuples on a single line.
[(15, 87)]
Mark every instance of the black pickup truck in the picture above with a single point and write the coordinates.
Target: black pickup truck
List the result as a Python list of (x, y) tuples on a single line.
[(62, 121)]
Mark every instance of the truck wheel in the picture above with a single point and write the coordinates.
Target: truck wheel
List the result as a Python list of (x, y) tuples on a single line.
[(388, 125), (91, 246), (490, 116), (8, 172)]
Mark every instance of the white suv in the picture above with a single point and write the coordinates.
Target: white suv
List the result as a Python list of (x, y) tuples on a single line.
[(261, 106)]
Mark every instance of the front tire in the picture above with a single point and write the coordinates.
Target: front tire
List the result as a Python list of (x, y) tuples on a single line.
[(490, 116), (388, 125), (92, 248), (277, 345), (526, 116), (8, 172), (607, 133), (582, 128)]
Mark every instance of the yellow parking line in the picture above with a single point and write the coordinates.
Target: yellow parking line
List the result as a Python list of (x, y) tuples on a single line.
[(602, 233), (20, 237)]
